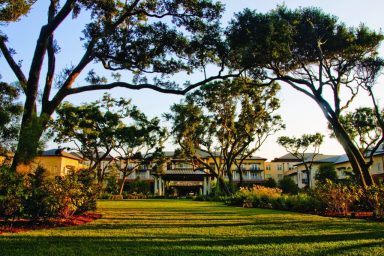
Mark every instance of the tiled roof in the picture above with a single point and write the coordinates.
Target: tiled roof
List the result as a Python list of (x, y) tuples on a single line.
[(184, 171), (59, 152)]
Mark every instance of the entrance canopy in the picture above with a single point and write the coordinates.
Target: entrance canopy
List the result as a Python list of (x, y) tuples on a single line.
[(184, 174)]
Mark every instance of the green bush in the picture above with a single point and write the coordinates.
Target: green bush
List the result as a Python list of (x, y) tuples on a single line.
[(337, 197), (37, 204), (288, 186), (12, 194), (35, 197), (270, 183), (375, 195), (138, 186)]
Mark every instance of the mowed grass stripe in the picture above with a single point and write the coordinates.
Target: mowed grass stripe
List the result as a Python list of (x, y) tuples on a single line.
[(182, 227)]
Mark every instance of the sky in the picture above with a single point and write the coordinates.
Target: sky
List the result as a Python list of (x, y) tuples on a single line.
[(300, 114)]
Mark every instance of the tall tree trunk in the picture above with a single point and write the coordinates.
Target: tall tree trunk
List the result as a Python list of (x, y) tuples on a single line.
[(241, 176), (356, 158), (31, 131), (223, 187), (122, 183)]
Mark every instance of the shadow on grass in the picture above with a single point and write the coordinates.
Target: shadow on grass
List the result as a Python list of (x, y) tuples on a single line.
[(185, 244)]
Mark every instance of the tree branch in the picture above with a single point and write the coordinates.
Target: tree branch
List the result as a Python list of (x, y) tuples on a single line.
[(12, 64), (51, 57), (147, 86)]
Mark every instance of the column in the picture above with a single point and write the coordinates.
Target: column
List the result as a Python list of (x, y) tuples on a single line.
[(160, 188), (205, 186), (155, 189), (163, 187), (209, 185)]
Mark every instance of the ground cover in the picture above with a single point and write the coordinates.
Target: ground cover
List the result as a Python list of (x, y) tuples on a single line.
[(181, 227)]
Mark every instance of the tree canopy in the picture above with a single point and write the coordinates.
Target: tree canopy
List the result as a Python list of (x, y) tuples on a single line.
[(228, 121), (148, 41), (92, 128), (315, 54), (10, 114)]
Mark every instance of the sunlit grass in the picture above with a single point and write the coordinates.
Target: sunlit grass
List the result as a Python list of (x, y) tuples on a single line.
[(172, 227)]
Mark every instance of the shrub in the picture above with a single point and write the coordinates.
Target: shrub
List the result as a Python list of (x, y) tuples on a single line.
[(138, 186), (375, 195), (326, 171), (270, 183), (90, 190), (288, 186), (337, 198), (37, 203), (12, 194)]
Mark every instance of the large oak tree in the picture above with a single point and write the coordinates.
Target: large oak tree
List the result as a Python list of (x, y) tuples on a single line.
[(147, 40), (318, 56)]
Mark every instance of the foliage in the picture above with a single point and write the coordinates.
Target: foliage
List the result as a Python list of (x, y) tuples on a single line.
[(112, 186), (226, 120), (148, 40), (140, 144), (338, 198), (38, 204), (36, 197), (288, 186), (317, 55), (326, 172), (263, 197), (12, 10), (10, 113), (299, 146), (375, 196), (12, 194), (270, 183), (365, 127), (92, 128), (138, 186)]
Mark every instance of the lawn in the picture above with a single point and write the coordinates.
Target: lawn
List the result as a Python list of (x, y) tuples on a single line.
[(172, 227)]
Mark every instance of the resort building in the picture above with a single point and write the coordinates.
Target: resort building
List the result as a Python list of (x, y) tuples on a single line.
[(58, 162)]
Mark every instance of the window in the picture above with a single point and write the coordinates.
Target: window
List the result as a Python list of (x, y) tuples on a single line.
[(268, 167), (255, 167), (290, 167), (279, 167), (255, 176)]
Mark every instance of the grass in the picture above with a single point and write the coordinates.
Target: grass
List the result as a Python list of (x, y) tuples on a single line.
[(173, 227)]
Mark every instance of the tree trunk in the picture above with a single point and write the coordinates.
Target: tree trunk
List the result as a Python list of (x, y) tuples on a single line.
[(31, 131), (357, 160), (241, 176), (123, 183), (223, 187)]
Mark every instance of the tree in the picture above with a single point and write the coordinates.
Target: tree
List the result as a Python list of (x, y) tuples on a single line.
[(138, 144), (316, 55), (92, 128), (226, 121), (145, 38), (288, 186), (299, 147), (366, 129), (270, 183), (10, 113), (326, 172)]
